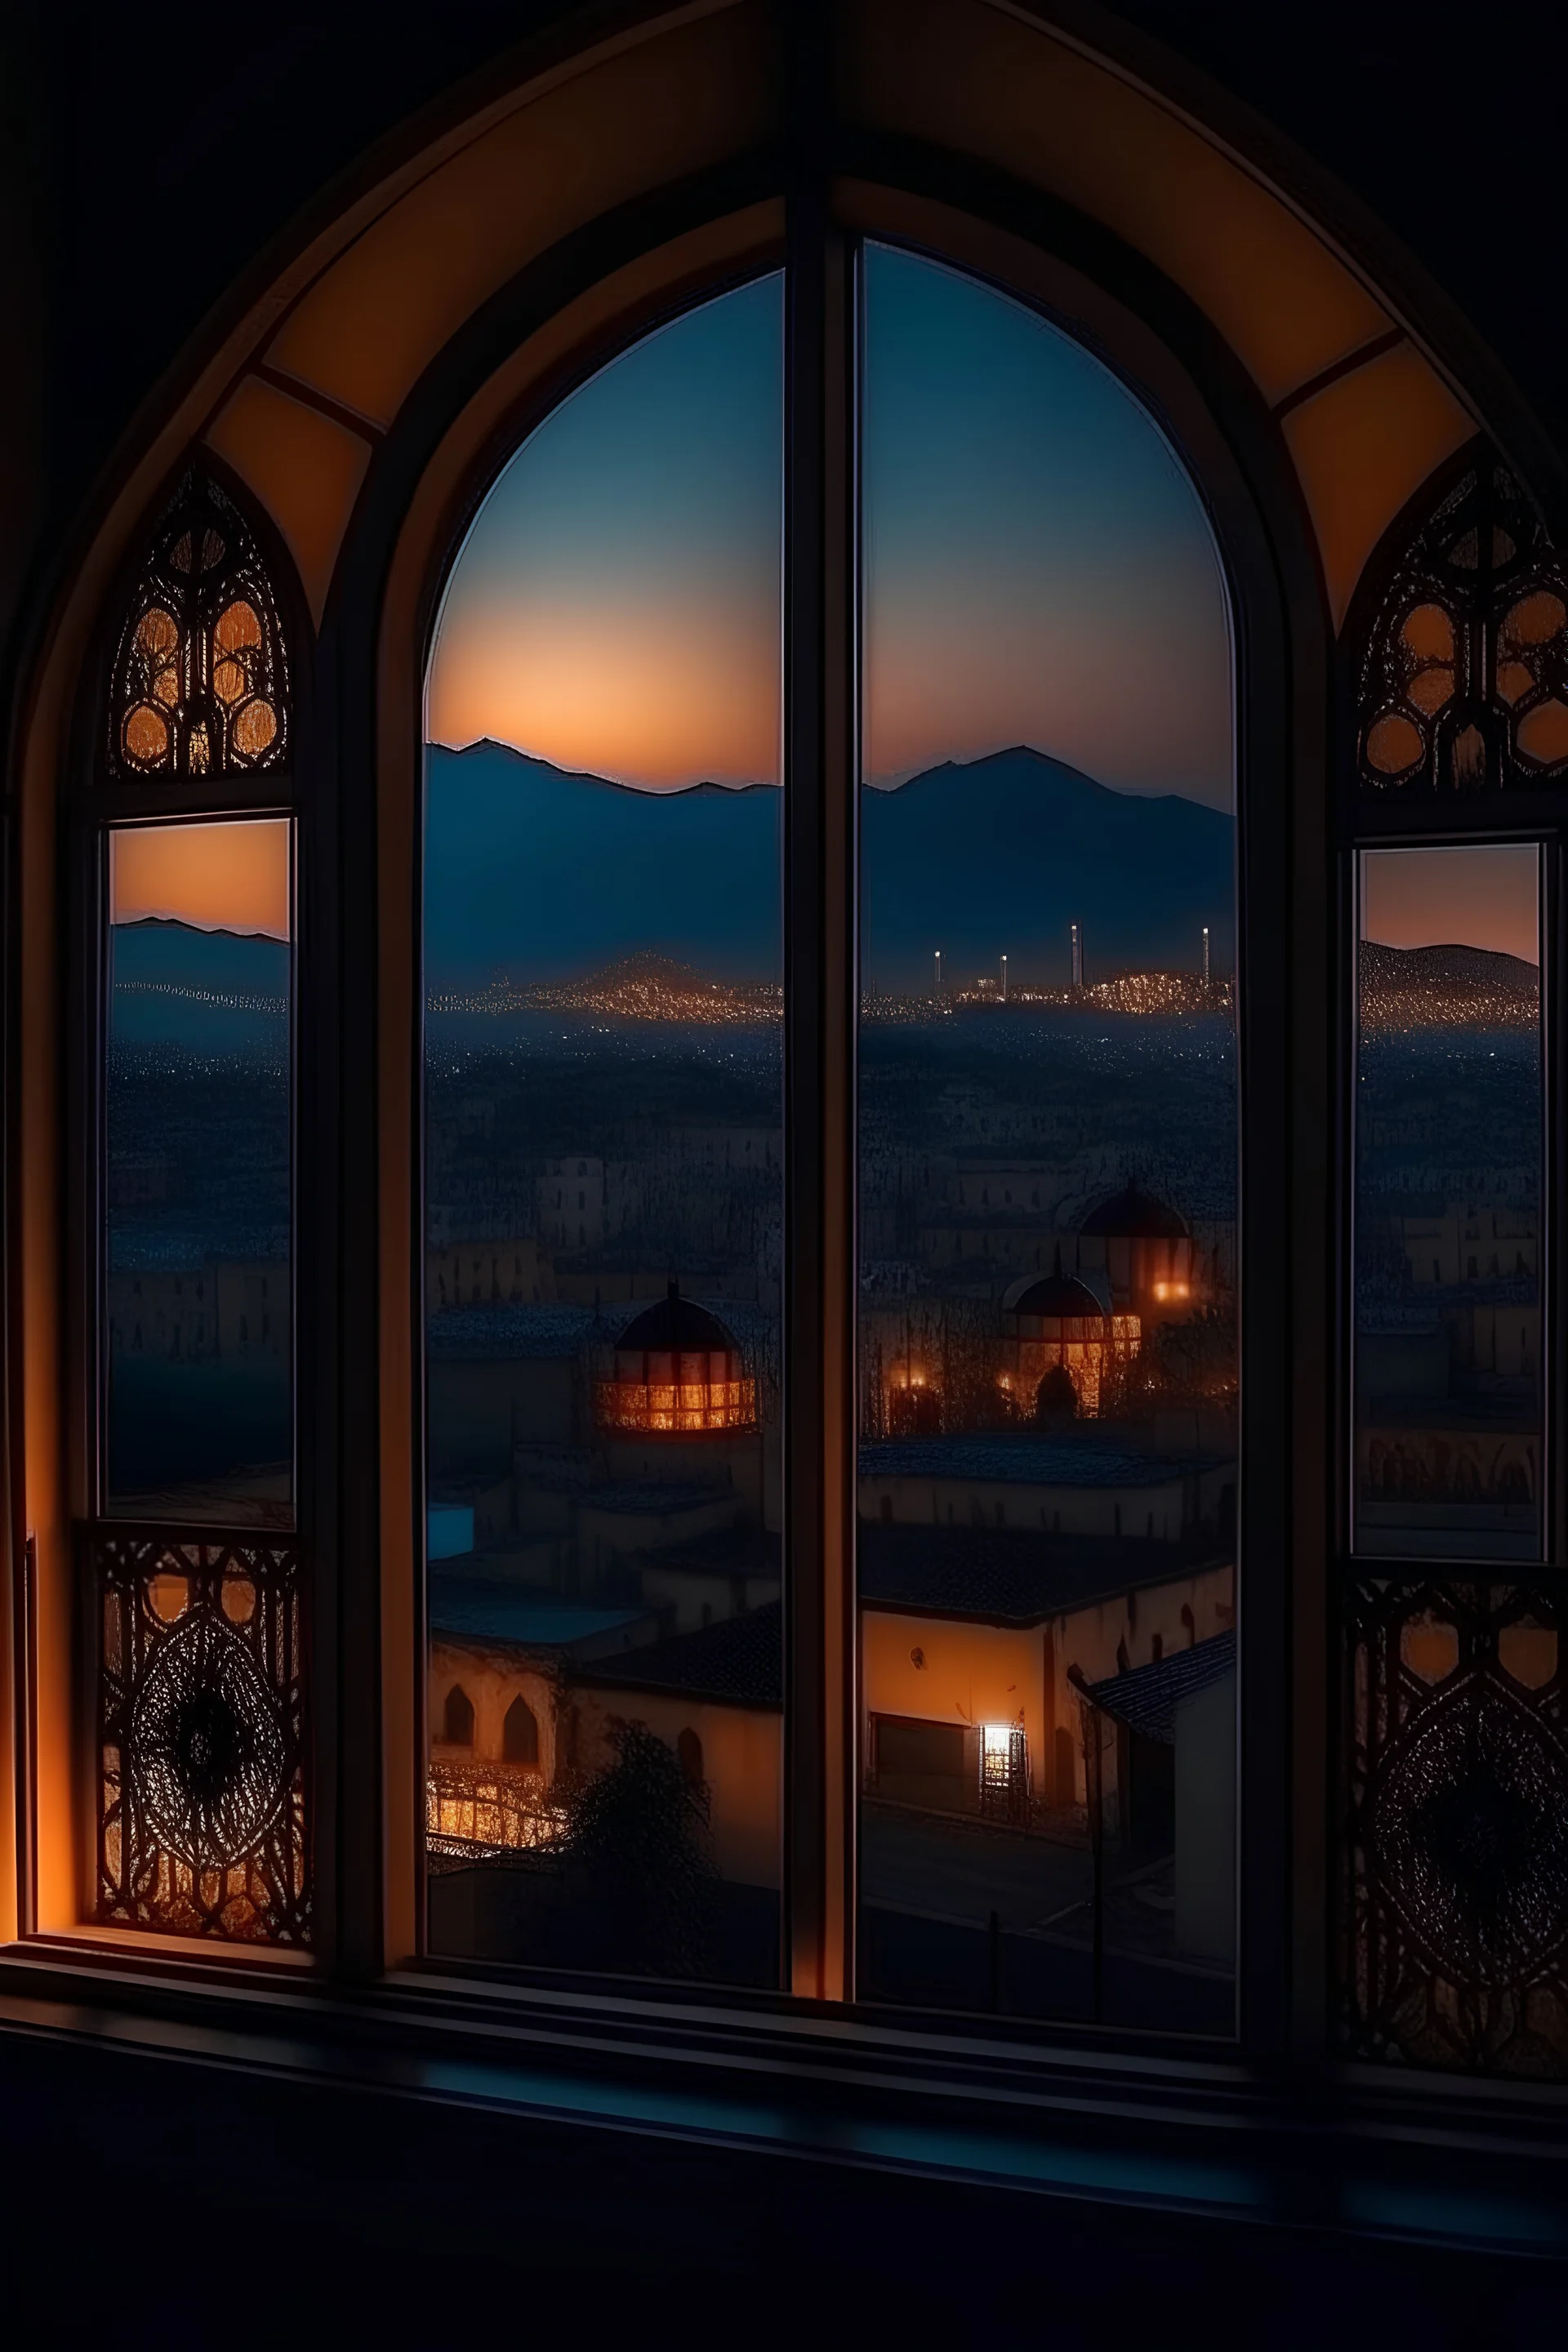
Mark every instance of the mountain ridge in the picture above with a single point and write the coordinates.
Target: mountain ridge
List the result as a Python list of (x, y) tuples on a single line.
[(528, 863)]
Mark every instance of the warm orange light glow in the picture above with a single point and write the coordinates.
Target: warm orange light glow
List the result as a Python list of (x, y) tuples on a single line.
[(686, 696), (705, 1397), (223, 876), (490, 1806), (1479, 897)]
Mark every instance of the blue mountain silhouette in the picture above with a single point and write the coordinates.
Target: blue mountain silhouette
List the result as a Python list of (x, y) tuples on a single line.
[(179, 955), (222, 992), (548, 873)]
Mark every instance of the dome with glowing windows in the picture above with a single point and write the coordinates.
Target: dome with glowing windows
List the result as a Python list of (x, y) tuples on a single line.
[(1133, 1215), (1059, 1298), (679, 1372), (1143, 1250), (1061, 1341)]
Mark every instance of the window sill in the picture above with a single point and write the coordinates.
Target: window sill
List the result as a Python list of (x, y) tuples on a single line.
[(1415, 2159)]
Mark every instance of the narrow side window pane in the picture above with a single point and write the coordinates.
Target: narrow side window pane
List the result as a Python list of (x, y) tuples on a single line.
[(198, 1344), (1449, 1144), (604, 1240), (1048, 1143)]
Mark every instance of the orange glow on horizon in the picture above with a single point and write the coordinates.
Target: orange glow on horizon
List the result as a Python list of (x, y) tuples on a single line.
[(1487, 896), (642, 699), (231, 877)]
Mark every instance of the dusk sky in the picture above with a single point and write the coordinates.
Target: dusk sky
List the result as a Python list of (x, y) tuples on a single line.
[(617, 604), (1477, 897), (229, 877), (1038, 568)]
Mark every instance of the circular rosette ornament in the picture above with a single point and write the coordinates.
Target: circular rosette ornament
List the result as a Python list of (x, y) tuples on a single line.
[(1470, 1834), (208, 1748)]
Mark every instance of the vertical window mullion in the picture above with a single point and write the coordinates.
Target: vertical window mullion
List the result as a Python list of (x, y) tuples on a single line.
[(819, 967)]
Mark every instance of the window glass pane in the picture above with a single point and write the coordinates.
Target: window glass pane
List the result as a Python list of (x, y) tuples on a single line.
[(1447, 1227), (604, 1075), (1048, 1369), (199, 1289)]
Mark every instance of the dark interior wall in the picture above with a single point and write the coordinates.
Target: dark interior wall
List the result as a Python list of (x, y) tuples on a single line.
[(146, 160), (1445, 119)]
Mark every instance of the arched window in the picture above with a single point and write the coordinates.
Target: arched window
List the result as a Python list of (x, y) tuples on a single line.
[(822, 751), (188, 865), (457, 1718), (689, 1748), (1458, 656), (1463, 673), (200, 682), (519, 1733)]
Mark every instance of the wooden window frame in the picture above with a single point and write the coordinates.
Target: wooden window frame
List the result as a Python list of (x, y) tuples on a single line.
[(1176, 366), (355, 771)]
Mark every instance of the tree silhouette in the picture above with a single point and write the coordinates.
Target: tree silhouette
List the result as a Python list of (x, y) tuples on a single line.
[(639, 1862)]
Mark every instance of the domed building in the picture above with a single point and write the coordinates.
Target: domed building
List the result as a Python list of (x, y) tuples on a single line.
[(678, 1371), (1058, 1327), (1144, 1249)]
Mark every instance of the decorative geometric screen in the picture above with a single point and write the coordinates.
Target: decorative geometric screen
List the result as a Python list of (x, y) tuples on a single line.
[(203, 1817), (1457, 1826), (201, 676), (1464, 682)]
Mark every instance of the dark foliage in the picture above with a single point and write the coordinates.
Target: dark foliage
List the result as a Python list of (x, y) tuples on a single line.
[(638, 1863)]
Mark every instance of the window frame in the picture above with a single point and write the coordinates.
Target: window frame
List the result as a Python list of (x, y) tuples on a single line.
[(1536, 815), (1174, 365), (368, 1627), (93, 807)]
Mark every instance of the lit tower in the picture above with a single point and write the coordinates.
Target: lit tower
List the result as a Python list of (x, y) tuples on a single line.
[(1003, 980), (1078, 955), (1206, 955), (939, 971)]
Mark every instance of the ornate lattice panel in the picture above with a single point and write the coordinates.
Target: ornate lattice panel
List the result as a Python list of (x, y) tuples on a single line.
[(201, 680), (204, 1825), (1457, 1826), (1464, 680)]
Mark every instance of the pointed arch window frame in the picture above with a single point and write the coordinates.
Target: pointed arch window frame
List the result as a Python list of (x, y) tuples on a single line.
[(1394, 1995), (1131, 322), (112, 794)]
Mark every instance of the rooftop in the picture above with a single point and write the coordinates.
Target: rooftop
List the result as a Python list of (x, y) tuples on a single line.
[(488, 1609), (736, 1662), (727, 1551), (638, 1497), (1004, 1575), (1072, 1459), (675, 1324), (1146, 1697), (545, 1329)]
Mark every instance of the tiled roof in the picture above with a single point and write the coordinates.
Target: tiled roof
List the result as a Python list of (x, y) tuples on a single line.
[(490, 1608), (657, 1496), (738, 1662), (501, 1333), (1147, 1697), (1004, 1575), (1066, 1461), (727, 1551)]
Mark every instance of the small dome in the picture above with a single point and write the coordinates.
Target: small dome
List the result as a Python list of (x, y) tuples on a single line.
[(675, 1326), (1062, 1296), (1133, 1215)]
